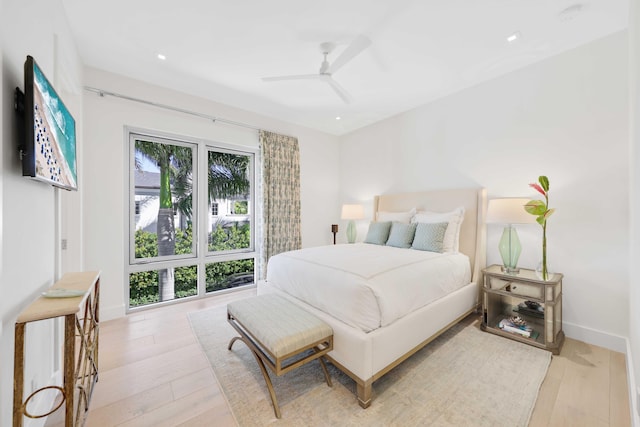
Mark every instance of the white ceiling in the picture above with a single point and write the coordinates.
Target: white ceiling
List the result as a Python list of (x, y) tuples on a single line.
[(421, 49)]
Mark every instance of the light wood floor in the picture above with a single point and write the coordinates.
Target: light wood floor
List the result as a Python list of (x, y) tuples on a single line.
[(153, 373)]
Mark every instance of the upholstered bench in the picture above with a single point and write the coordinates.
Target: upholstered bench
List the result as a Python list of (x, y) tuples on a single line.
[(278, 332)]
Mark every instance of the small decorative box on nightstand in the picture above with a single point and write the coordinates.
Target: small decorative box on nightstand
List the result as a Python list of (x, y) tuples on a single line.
[(522, 307)]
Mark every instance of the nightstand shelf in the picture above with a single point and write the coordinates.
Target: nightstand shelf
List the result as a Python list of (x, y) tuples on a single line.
[(504, 295)]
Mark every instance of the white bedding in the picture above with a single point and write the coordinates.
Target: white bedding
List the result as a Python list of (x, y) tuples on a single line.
[(367, 286)]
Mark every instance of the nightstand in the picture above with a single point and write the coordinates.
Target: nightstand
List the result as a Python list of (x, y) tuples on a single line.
[(537, 302)]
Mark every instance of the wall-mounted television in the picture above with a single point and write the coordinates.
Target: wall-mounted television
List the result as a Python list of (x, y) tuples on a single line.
[(49, 147)]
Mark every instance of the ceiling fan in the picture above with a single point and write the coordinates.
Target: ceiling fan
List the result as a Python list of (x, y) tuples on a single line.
[(327, 69)]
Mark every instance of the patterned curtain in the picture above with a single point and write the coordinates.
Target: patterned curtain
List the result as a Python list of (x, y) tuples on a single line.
[(280, 196)]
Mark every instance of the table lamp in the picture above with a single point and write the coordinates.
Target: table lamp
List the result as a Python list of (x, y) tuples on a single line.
[(352, 212), (509, 211)]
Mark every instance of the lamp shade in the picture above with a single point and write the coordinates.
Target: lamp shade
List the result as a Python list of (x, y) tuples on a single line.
[(352, 212), (509, 211)]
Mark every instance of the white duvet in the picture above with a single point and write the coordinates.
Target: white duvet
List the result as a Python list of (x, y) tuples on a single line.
[(367, 286)]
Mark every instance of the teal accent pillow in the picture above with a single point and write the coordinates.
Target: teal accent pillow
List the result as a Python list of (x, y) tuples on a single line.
[(430, 236), (401, 235), (378, 233)]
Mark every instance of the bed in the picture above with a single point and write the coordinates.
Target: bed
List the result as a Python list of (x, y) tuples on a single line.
[(369, 343)]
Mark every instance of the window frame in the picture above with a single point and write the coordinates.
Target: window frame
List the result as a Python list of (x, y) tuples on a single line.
[(133, 136), (252, 192), (200, 256)]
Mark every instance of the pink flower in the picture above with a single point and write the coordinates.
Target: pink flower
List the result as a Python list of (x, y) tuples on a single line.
[(538, 189)]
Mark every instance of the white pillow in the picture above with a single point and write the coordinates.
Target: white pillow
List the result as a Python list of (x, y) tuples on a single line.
[(403, 217), (451, 241)]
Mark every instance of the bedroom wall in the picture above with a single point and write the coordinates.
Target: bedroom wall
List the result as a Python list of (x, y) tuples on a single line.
[(633, 355), (29, 211), (104, 203), (565, 117)]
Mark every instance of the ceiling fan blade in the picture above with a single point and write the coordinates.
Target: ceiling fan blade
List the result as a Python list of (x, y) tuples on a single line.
[(342, 93), (359, 44), (294, 77)]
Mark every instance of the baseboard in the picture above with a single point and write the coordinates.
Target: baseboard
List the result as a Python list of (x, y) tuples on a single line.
[(595, 337), (633, 395)]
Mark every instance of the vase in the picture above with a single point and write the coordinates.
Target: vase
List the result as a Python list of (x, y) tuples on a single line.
[(539, 272), (542, 270)]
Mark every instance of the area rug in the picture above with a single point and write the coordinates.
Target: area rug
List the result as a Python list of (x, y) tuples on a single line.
[(465, 377)]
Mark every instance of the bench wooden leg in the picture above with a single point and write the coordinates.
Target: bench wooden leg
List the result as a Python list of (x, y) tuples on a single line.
[(265, 374)]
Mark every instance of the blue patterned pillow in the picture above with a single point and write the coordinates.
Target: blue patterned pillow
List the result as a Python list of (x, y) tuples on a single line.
[(378, 233), (430, 236), (401, 235)]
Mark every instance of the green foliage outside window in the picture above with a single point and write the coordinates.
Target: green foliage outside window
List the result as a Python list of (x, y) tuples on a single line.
[(241, 207), (143, 286), (226, 238)]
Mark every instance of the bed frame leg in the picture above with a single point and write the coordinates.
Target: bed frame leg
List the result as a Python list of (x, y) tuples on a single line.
[(364, 394)]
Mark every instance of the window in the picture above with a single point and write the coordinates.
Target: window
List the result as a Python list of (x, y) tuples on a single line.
[(173, 254), (228, 183)]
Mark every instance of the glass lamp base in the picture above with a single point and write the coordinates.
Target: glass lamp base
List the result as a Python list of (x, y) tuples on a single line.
[(510, 249), (351, 232)]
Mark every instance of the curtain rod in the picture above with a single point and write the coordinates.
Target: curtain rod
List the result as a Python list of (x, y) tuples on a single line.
[(214, 119)]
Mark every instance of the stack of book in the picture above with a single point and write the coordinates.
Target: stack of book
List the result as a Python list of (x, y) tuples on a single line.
[(508, 326), (531, 309)]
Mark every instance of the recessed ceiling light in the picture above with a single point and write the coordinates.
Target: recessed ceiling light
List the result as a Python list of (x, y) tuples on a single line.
[(514, 37), (338, 118), (161, 56)]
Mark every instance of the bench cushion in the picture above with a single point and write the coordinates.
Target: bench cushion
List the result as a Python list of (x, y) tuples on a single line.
[(277, 324)]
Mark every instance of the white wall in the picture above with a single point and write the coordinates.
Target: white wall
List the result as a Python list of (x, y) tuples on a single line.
[(633, 359), (29, 214), (104, 156), (567, 118)]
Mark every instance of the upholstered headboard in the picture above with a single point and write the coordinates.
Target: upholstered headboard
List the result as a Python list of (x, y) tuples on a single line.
[(472, 231)]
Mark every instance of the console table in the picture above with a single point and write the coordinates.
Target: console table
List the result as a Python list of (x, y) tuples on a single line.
[(81, 321)]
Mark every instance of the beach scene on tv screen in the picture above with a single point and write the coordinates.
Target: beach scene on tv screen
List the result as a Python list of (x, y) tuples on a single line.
[(54, 132)]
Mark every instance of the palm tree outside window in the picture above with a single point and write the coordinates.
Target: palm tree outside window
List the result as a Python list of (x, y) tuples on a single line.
[(165, 257)]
